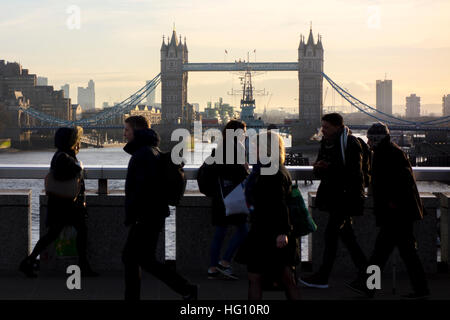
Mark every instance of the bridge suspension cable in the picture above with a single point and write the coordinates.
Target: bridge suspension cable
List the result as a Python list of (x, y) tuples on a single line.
[(120, 108), (382, 116)]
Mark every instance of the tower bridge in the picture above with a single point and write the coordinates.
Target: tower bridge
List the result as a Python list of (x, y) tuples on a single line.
[(175, 68)]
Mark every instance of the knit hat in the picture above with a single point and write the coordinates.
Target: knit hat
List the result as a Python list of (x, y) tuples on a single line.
[(378, 129), (66, 138)]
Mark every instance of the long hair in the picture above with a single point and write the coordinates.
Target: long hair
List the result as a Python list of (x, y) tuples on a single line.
[(278, 140)]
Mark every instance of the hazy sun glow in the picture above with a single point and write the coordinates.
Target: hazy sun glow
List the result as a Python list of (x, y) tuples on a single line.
[(118, 43)]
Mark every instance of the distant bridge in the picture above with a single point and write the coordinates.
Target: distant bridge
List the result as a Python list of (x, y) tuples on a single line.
[(282, 127), (241, 66)]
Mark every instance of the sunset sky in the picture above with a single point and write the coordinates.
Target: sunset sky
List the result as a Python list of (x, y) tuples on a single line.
[(118, 43)]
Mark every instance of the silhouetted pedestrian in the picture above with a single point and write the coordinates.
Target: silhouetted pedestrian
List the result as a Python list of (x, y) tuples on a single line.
[(270, 251), (397, 205), (220, 178), (340, 193), (146, 209), (61, 211)]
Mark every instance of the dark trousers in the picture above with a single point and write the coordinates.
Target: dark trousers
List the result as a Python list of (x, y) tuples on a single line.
[(79, 223), (140, 252), (400, 235), (340, 226)]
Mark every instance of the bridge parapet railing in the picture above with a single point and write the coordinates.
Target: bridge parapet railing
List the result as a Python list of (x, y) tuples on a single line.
[(111, 172), (107, 214)]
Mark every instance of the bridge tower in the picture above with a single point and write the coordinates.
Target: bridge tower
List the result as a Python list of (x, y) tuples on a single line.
[(173, 80), (310, 59)]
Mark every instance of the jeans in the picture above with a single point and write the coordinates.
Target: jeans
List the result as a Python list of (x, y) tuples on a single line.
[(233, 245), (139, 252), (400, 235), (340, 226)]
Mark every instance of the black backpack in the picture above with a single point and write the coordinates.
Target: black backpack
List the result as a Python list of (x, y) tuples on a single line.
[(366, 161), (207, 179), (174, 179)]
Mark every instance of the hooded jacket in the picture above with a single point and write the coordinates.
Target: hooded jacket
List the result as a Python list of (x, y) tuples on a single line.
[(145, 200)]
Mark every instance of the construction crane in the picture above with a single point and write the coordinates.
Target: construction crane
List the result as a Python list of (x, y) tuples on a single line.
[(268, 102), (325, 95)]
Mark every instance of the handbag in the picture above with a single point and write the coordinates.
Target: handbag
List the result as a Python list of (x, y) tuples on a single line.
[(235, 202), (66, 189), (66, 244), (300, 218)]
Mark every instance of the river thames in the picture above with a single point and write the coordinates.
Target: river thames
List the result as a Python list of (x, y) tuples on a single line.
[(116, 156)]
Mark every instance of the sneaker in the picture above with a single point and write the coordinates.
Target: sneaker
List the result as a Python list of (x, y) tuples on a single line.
[(27, 267), (214, 275), (193, 293), (227, 272), (314, 281), (359, 287), (416, 295)]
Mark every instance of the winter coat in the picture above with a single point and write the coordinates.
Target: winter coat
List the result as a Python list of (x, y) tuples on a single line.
[(393, 182), (341, 188), (222, 179), (65, 166), (145, 201), (268, 220)]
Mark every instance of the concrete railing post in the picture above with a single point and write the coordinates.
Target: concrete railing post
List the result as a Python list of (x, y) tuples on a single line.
[(445, 229), (15, 228)]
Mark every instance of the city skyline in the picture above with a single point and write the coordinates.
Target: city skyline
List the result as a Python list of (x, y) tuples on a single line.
[(118, 45)]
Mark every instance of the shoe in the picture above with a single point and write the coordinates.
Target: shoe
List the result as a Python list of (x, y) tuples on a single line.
[(193, 293), (360, 287), (314, 281), (416, 295), (227, 272), (214, 275), (27, 267)]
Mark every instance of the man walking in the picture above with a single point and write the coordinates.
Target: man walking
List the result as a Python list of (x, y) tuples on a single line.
[(397, 205), (146, 208), (340, 193)]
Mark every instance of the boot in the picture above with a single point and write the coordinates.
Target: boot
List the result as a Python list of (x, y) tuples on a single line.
[(26, 266)]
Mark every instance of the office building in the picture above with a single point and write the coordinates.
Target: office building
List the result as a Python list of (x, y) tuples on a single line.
[(42, 81), (446, 105), (413, 106), (66, 89), (86, 96), (384, 96)]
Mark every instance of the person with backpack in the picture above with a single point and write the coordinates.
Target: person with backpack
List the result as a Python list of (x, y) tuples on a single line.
[(65, 211), (216, 181), (397, 206), (340, 193), (146, 208), (271, 249)]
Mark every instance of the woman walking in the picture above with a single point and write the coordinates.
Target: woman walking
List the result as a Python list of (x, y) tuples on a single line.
[(270, 252), (62, 212), (220, 178)]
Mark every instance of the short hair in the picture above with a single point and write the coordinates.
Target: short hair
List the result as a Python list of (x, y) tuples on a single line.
[(378, 128), (233, 125), (137, 122), (334, 119)]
